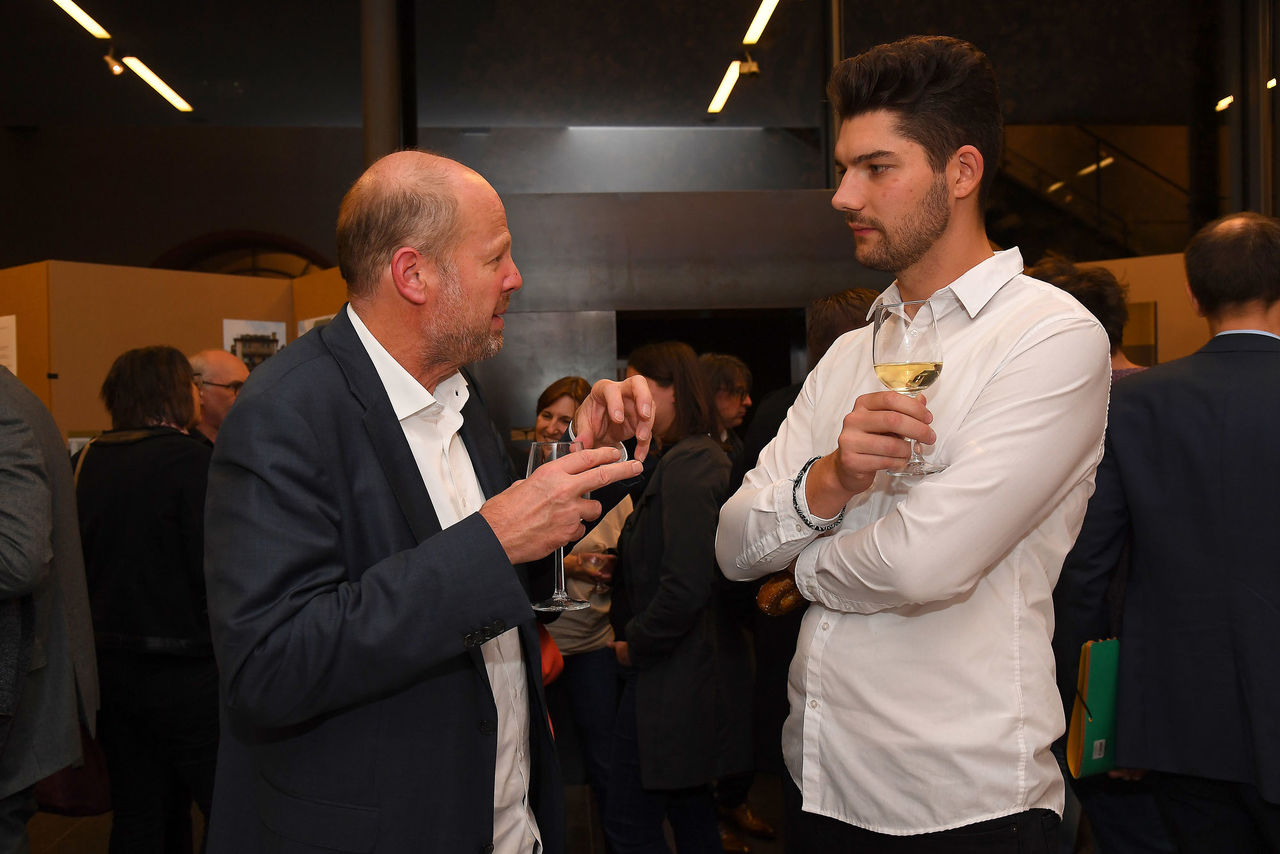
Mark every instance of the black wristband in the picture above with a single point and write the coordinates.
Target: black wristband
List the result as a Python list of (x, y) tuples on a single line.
[(795, 502)]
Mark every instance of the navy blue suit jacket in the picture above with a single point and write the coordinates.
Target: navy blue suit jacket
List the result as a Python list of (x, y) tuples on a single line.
[(357, 712), (1190, 481)]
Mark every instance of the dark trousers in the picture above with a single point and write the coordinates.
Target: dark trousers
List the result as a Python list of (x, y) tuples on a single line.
[(15, 811), (1029, 832), (590, 683), (634, 815), (1123, 815), (1214, 816), (159, 731)]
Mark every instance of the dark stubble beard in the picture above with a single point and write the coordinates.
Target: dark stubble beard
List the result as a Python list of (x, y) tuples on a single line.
[(919, 230), (450, 341)]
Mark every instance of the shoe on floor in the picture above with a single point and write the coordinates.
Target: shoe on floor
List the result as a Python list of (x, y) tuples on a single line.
[(730, 841), (743, 817)]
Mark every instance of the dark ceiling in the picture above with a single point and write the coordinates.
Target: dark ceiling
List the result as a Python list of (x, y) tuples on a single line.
[(539, 63)]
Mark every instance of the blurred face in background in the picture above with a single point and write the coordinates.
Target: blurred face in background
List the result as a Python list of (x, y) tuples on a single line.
[(554, 419), (664, 404), (732, 404)]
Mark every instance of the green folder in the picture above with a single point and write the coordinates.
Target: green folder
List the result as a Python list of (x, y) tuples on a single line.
[(1091, 738)]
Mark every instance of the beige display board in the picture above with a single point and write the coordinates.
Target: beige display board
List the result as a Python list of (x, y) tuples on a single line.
[(73, 319), (1162, 280)]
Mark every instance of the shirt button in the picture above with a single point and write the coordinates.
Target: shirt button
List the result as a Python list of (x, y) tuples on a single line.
[(813, 704), (826, 626), (799, 529)]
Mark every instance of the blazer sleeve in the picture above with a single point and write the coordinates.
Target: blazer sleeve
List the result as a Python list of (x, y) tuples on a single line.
[(26, 509), (691, 493), (1080, 606), (311, 610)]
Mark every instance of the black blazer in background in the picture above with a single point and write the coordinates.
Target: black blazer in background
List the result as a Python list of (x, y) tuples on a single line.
[(357, 712), (1190, 478)]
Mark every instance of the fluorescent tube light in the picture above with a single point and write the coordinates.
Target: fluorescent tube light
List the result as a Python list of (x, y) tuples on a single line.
[(1094, 167), (758, 23), (726, 86), (139, 68), (82, 18)]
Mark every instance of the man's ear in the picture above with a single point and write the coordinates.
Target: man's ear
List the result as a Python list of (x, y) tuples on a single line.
[(967, 167), (413, 274), (1195, 303)]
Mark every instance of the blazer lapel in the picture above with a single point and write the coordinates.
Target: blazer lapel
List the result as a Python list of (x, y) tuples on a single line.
[(483, 444), (389, 443)]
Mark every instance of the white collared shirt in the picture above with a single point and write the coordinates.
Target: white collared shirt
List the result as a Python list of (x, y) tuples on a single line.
[(431, 424), (922, 690)]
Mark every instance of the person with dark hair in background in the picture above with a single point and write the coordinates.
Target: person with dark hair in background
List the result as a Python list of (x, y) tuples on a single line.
[(729, 380), (923, 701), (141, 490), (48, 675), (367, 552), (1098, 290), (1121, 811), (1188, 486), (680, 725)]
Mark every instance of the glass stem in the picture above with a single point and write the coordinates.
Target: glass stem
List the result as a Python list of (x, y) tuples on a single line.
[(560, 592)]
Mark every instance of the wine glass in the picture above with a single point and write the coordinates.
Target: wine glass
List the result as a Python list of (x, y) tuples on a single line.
[(541, 453), (907, 354)]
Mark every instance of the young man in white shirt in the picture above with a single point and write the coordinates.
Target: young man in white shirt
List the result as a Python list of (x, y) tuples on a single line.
[(923, 701)]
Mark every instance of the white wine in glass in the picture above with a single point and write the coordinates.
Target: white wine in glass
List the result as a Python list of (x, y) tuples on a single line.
[(907, 354), (541, 453)]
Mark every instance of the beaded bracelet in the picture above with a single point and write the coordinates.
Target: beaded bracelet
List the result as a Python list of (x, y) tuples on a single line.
[(795, 502)]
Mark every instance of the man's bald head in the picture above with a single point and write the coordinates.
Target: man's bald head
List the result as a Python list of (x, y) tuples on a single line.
[(1234, 261), (408, 198), (219, 375)]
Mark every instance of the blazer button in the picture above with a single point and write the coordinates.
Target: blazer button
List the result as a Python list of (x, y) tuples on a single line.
[(469, 639), (488, 726)]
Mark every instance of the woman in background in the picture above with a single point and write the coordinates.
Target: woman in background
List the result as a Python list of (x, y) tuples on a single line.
[(679, 727), (140, 489)]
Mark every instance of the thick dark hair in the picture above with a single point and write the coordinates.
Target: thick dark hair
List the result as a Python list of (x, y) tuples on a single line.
[(942, 90), (1095, 288), (574, 387), (673, 363), (724, 372), (379, 215), (1235, 260), (149, 386), (833, 315)]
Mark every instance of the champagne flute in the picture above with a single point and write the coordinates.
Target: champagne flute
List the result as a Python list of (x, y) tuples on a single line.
[(541, 453), (907, 354)]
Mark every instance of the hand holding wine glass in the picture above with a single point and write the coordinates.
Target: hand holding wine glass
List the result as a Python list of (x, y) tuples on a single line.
[(907, 354), (541, 453)]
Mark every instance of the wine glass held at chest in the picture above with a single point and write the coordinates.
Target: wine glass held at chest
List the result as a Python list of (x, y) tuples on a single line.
[(907, 354), (541, 453)]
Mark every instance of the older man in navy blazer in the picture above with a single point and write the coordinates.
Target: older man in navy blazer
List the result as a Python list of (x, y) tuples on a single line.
[(370, 611), (1189, 481)]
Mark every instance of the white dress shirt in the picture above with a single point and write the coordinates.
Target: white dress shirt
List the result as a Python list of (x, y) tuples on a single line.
[(922, 689), (431, 424)]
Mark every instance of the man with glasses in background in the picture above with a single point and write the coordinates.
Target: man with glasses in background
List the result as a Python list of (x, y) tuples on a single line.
[(219, 376)]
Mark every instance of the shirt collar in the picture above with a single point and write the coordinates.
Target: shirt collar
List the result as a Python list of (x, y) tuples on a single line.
[(974, 289), (1248, 332), (408, 396)]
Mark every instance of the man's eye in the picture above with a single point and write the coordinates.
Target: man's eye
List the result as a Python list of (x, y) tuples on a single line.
[(877, 168)]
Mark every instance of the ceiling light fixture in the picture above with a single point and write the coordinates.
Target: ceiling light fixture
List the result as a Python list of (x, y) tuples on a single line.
[(82, 18), (114, 64), (1225, 102), (1094, 167), (759, 21), (726, 86), (150, 77), (1055, 186), (1271, 84)]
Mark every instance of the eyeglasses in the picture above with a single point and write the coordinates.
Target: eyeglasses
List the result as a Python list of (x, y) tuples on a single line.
[(234, 386)]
